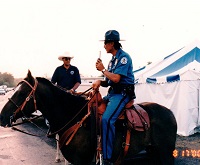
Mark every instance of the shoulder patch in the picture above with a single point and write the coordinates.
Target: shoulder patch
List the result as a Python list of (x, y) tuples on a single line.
[(124, 60)]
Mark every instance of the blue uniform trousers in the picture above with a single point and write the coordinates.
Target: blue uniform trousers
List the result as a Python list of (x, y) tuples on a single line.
[(116, 103)]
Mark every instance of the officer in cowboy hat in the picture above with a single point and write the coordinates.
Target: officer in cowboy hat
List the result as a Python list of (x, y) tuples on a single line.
[(66, 76), (120, 78)]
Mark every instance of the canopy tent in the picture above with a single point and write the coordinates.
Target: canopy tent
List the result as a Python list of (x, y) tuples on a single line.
[(175, 83)]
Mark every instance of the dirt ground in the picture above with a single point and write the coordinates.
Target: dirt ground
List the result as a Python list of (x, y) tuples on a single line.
[(187, 150)]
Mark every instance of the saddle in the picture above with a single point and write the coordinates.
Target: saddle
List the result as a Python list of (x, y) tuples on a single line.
[(135, 117)]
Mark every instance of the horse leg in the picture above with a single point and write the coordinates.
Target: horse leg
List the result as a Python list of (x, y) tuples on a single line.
[(58, 153), (57, 160), (161, 157), (166, 156), (164, 148)]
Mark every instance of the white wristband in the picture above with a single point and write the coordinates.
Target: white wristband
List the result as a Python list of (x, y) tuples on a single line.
[(103, 70)]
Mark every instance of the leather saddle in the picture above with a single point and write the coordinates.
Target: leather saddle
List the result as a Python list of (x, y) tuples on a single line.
[(136, 117)]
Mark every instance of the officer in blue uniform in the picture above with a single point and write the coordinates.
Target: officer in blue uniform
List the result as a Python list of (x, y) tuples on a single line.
[(66, 76), (120, 78)]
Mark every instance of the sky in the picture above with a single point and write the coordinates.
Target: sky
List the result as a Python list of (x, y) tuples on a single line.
[(33, 33)]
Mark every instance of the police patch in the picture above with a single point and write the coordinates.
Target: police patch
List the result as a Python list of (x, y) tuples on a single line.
[(72, 72), (124, 60)]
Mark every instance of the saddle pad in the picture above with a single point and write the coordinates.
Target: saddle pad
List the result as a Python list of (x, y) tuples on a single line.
[(138, 118)]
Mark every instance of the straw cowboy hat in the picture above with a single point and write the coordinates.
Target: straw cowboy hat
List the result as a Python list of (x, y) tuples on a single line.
[(66, 54), (112, 35)]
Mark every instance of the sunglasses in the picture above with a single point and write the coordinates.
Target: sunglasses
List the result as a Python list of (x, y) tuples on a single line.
[(107, 41), (66, 58)]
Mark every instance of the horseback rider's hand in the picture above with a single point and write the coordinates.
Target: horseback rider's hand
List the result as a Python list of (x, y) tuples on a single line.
[(99, 65), (71, 91), (96, 84)]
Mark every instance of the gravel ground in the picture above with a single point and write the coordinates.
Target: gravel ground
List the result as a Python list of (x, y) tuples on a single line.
[(187, 150)]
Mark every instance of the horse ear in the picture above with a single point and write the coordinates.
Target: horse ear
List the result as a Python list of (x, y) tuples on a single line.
[(29, 76)]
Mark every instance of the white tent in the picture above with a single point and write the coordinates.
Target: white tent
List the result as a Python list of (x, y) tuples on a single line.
[(175, 83)]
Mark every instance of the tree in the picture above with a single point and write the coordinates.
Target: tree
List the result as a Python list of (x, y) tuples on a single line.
[(7, 79)]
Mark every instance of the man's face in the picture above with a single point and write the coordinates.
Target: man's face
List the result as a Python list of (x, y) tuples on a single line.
[(109, 46), (66, 60)]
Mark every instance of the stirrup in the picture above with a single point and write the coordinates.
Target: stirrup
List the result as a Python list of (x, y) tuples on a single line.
[(99, 149)]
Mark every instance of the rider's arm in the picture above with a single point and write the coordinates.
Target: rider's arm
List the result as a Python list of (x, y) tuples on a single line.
[(75, 86), (112, 76)]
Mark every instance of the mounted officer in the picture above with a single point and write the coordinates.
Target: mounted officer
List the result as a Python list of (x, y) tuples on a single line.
[(120, 78)]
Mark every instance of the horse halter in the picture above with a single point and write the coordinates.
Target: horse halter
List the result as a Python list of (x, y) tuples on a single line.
[(21, 107)]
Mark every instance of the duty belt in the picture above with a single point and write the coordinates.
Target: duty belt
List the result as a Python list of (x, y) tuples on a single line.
[(128, 89)]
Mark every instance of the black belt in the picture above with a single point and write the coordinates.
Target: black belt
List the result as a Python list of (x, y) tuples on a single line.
[(128, 89)]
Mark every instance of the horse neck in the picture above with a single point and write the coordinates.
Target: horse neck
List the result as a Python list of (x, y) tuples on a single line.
[(59, 107)]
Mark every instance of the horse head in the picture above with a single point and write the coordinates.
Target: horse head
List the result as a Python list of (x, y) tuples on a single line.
[(24, 93)]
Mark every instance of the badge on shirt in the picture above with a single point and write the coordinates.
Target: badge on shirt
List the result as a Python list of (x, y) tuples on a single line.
[(72, 72), (124, 60)]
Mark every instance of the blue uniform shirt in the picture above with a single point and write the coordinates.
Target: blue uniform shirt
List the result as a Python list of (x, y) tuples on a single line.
[(121, 64), (66, 78)]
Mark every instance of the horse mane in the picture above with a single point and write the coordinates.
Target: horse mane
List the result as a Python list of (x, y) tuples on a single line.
[(54, 88), (44, 80), (64, 100), (59, 90)]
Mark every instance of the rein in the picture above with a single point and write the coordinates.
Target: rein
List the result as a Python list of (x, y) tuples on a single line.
[(85, 91), (27, 120), (70, 132), (64, 89)]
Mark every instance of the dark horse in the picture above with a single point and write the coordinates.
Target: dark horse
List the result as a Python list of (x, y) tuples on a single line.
[(64, 110)]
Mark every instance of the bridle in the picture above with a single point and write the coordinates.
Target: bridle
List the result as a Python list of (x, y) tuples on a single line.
[(21, 107)]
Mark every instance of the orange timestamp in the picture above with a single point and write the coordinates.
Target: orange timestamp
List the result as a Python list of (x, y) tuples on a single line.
[(187, 153)]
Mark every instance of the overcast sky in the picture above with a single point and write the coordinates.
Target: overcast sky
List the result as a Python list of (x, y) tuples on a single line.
[(33, 33)]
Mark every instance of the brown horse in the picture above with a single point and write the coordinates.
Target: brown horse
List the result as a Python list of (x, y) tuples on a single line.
[(64, 110)]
